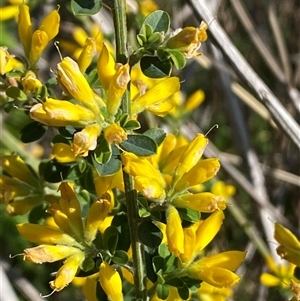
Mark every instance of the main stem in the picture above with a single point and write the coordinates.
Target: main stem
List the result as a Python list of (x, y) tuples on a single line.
[(138, 254)]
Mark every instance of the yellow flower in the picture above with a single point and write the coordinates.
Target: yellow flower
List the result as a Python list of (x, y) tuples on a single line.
[(106, 67), (75, 84), (86, 140), (50, 24), (114, 134), (63, 153), (8, 12), (111, 282), (160, 92), (174, 231), (188, 40), (222, 189), (87, 54), (30, 83), (39, 42), (207, 292), (25, 28), (289, 248), (148, 179), (8, 61), (67, 272), (55, 112)]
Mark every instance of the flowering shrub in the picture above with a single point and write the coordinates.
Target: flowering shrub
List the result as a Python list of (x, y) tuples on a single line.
[(126, 210)]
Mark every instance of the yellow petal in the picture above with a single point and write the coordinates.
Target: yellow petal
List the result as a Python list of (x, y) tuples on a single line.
[(106, 67), (23, 205), (97, 213), (67, 272), (202, 202), (50, 24), (25, 28), (158, 93), (285, 237), (46, 253), (190, 156), (54, 112), (189, 245), (87, 54), (45, 235), (203, 171), (30, 83), (8, 12), (110, 281), (150, 187), (63, 153), (114, 134), (17, 168), (194, 100), (174, 231), (270, 280), (208, 230), (75, 84), (38, 44), (86, 140)]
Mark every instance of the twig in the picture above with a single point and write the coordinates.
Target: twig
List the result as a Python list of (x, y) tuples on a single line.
[(280, 115)]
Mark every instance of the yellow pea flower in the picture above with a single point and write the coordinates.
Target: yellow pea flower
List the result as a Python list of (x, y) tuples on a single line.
[(106, 67), (194, 101), (30, 83), (39, 42), (96, 215), (8, 61), (88, 52), (50, 24), (25, 28), (67, 272), (174, 231), (163, 90), (48, 253), (86, 140), (207, 292), (115, 134), (188, 40), (111, 282), (75, 84), (55, 112), (63, 153), (8, 12)]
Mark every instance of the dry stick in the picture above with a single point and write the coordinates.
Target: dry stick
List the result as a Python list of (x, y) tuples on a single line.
[(259, 43), (248, 153), (190, 129), (281, 117)]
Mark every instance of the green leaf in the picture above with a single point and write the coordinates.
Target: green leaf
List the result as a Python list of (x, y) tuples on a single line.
[(88, 264), (60, 139), (189, 215), (123, 119), (32, 132), (158, 263), (155, 68), (297, 273), (170, 265), (163, 54), (103, 152), (15, 93), (121, 223), (85, 7), (177, 58), (67, 131), (183, 292), (162, 291), (98, 241), (132, 125), (111, 237), (176, 282), (76, 171), (144, 213), (149, 234), (163, 251), (140, 145), (158, 20), (143, 202), (38, 213), (52, 171), (120, 257), (157, 134), (93, 79)]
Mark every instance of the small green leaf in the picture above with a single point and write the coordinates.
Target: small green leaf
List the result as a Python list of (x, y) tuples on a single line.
[(157, 134), (60, 139), (88, 264), (183, 292), (123, 119), (149, 234), (189, 215), (121, 223), (141, 39), (38, 213), (103, 152), (140, 145), (144, 213), (143, 202), (15, 93), (170, 265), (132, 125), (85, 7), (163, 54), (67, 131), (163, 251), (52, 171), (32, 132), (155, 68), (176, 282), (111, 237), (162, 291), (158, 263), (177, 58), (120, 257), (158, 20), (93, 79), (98, 241)]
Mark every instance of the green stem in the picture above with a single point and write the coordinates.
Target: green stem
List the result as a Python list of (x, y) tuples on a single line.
[(138, 255)]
